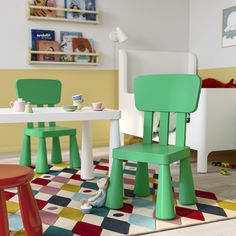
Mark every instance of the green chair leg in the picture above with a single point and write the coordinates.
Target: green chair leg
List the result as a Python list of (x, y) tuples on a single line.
[(41, 158), (56, 151), (141, 187), (115, 190), (74, 153), (165, 208), (186, 186), (25, 156)]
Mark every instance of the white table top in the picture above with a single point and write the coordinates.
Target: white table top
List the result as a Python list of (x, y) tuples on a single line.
[(7, 115)]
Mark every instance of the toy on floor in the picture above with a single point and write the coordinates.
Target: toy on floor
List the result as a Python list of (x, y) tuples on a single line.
[(98, 199), (224, 172), (224, 164)]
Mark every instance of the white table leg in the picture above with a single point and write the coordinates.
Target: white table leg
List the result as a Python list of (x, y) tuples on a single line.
[(114, 140), (86, 152), (202, 155)]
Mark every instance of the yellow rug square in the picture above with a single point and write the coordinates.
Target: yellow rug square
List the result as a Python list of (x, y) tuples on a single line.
[(71, 213), (70, 187), (12, 207)]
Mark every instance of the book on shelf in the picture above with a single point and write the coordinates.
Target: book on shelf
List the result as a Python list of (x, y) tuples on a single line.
[(50, 46), (76, 5), (90, 5), (66, 43), (37, 34), (83, 45), (44, 12)]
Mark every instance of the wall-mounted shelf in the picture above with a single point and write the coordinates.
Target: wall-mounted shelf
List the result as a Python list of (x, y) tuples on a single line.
[(94, 55), (61, 18)]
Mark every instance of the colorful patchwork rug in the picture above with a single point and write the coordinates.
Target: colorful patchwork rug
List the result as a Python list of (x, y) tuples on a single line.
[(59, 192)]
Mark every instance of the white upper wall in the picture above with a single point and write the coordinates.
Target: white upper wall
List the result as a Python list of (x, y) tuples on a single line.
[(153, 24), (206, 34)]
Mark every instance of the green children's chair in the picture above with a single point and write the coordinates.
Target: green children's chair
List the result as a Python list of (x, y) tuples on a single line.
[(159, 93), (45, 92)]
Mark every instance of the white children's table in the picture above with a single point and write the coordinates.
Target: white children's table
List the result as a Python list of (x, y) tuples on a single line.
[(85, 115)]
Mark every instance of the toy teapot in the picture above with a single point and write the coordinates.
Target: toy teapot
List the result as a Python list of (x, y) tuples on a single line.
[(18, 105)]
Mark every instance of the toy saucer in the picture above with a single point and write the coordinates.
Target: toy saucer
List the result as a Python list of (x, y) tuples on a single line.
[(99, 109)]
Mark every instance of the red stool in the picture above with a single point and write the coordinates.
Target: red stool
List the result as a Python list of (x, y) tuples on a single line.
[(20, 177)]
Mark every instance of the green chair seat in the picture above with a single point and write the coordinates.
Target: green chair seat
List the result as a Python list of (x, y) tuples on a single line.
[(45, 92), (164, 94), (50, 131), (151, 153)]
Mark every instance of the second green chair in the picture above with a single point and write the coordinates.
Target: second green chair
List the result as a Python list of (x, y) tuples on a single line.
[(164, 94), (41, 92)]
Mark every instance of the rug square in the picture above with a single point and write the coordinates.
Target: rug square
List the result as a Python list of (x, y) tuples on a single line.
[(43, 196), (49, 190), (15, 222), (90, 185), (55, 184), (47, 176), (15, 199), (48, 218), (70, 187), (55, 231), (74, 204), (93, 219), (71, 213), (212, 217), (61, 165), (137, 229), (65, 223), (36, 186), (128, 176), (168, 224), (41, 181), (207, 201), (52, 208), (100, 172), (118, 226), (8, 195), (12, 190), (143, 203), (70, 170), (79, 196), (54, 172), (100, 175), (118, 215), (60, 179), (65, 193), (87, 191), (230, 213), (56, 168), (101, 211), (58, 200), (12, 207), (65, 174), (143, 221), (106, 232), (75, 182), (143, 211), (193, 207), (83, 228)]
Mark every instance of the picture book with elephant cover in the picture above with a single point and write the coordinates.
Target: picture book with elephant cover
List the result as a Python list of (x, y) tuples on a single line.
[(83, 45)]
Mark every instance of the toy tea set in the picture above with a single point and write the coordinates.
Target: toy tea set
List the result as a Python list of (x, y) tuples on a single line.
[(78, 104), (20, 105)]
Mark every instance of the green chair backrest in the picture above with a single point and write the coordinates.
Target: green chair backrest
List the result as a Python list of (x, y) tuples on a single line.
[(39, 92), (167, 93)]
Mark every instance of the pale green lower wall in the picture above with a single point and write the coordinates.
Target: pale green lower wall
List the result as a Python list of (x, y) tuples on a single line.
[(95, 85)]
